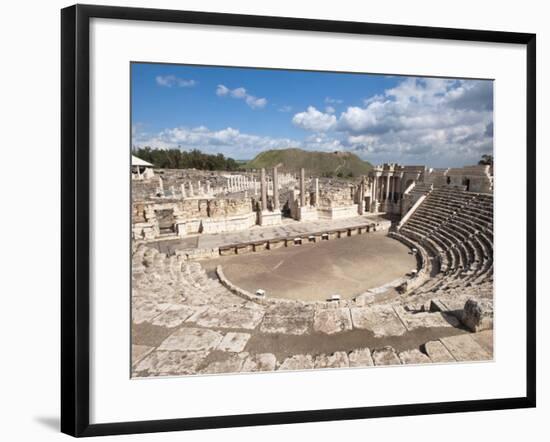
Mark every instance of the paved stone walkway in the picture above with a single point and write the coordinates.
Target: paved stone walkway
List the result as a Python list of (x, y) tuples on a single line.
[(289, 228)]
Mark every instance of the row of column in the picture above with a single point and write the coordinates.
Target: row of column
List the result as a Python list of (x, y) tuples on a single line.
[(236, 183), (386, 187), (188, 191)]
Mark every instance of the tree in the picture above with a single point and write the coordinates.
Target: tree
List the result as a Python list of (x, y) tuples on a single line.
[(180, 159), (486, 160)]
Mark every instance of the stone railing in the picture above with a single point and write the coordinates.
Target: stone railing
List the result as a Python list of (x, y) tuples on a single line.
[(411, 211)]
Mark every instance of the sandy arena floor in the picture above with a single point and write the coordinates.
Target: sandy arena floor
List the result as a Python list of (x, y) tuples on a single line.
[(346, 266)]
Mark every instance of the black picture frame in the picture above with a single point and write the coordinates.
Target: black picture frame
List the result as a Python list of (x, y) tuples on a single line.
[(75, 215)]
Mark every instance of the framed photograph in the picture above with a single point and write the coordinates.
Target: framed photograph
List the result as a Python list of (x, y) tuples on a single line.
[(272, 220)]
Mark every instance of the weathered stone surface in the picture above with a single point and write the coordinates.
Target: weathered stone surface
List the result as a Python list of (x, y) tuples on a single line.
[(139, 352), (191, 339), (231, 317), (381, 320), (438, 352), (465, 348), (297, 362), (364, 299), (144, 310), (288, 325), (232, 364), (175, 315), (233, 342), (360, 358), (413, 356), (385, 356), (477, 316), (164, 363), (414, 320), (484, 339), (332, 321), (260, 362), (338, 359)]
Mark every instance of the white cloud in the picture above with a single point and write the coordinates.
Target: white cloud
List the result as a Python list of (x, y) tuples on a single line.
[(424, 120), (229, 141), (285, 108), (330, 100), (314, 120), (221, 90), (240, 93), (330, 110), (173, 81)]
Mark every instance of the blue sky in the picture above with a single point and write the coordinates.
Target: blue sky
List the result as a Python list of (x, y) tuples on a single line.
[(241, 112)]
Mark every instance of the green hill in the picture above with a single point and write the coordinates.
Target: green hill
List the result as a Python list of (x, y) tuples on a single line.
[(325, 164)]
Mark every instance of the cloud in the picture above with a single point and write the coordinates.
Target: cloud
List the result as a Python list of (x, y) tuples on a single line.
[(241, 94), (173, 81), (330, 110), (431, 121), (285, 109), (330, 100), (229, 141), (314, 120)]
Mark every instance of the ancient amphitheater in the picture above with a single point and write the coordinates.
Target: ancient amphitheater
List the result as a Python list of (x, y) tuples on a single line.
[(238, 272)]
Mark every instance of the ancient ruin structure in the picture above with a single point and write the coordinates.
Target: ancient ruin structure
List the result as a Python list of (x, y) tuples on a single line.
[(141, 169), (206, 323)]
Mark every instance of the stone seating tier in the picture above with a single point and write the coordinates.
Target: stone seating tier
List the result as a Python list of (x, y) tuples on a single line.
[(456, 229)]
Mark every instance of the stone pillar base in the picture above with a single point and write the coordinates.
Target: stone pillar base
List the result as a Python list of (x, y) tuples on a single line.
[(307, 213), (268, 218), (181, 228)]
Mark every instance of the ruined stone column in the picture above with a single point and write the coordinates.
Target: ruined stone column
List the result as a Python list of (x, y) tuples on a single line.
[(263, 190), (373, 189), (302, 187), (191, 189), (316, 192), (398, 188), (387, 187), (183, 194), (275, 189), (161, 184), (361, 206)]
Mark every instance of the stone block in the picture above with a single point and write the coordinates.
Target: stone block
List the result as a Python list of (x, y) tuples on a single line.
[(484, 339), (330, 321), (337, 359), (288, 325), (139, 352), (230, 317), (477, 316), (233, 342), (360, 358), (144, 310), (232, 364), (259, 362), (385, 356), (465, 349), (413, 356), (166, 363), (437, 352), (191, 339), (381, 320), (297, 362), (175, 316), (414, 320)]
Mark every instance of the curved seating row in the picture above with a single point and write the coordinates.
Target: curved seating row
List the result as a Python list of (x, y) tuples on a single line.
[(455, 227)]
